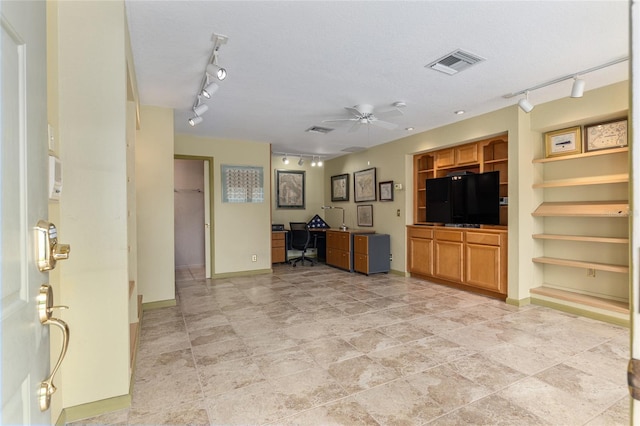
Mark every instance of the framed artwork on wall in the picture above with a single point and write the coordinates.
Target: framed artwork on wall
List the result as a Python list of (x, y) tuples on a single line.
[(612, 134), (385, 191), (364, 185), (340, 187), (563, 142), (365, 215), (290, 189)]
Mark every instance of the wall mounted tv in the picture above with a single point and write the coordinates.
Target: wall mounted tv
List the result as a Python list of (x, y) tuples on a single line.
[(464, 199)]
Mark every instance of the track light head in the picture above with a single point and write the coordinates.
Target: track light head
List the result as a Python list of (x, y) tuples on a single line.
[(209, 90), (285, 160), (313, 162), (577, 90), (320, 162), (195, 120), (300, 162), (524, 103), (216, 71), (201, 109)]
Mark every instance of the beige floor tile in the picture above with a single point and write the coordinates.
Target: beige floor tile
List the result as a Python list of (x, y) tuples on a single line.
[(371, 340), (228, 375), (360, 373), (343, 412), (284, 362), (491, 411), (330, 350)]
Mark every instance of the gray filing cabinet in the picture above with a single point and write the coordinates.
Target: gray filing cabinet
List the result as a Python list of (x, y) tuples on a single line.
[(371, 253)]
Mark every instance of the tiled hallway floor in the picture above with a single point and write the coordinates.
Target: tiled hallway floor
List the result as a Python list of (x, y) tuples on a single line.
[(319, 346)]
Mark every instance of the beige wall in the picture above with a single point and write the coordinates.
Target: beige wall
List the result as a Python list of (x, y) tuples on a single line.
[(239, 230), (314, 192), (154, 200), (93, 204)]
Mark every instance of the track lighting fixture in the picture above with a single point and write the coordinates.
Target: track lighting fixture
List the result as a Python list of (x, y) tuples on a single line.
[(577, 90), (214, 69), (195, 120), (208, 87), (524, 103), (315, 159)]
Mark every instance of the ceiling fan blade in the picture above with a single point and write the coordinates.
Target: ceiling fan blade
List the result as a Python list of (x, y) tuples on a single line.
[(354, 127), (384, 124), (393, 112), (339, 119), (353, 111)]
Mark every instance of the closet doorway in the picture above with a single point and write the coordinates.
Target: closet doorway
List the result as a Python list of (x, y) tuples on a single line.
[(193, 229)]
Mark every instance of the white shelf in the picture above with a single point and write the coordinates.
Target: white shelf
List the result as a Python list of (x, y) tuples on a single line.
[(590, 180), (584, 208), (623, 269)]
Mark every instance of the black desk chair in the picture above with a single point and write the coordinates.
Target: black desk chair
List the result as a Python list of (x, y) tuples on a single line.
[(300, 240)]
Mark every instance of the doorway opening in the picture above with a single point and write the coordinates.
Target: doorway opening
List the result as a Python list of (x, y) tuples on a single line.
[(192, 215)]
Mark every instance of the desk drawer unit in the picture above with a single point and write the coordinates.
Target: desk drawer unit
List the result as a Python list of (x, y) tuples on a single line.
[(371, 253), (278, 247)]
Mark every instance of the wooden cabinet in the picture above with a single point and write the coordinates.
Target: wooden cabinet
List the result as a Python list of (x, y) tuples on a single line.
[(478, 157), (584, 243), (339, 248), (371, 253), (486, 261), (278, 247), (420, 250), (470, 258)]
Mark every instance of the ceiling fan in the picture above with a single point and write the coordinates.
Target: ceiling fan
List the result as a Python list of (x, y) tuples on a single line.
[(364, 114)]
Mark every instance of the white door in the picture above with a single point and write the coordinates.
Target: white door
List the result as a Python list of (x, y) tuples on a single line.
[(23, 160)]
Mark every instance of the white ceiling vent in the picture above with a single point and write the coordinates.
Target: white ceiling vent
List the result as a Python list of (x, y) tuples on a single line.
[(318, 129), (455, 62)]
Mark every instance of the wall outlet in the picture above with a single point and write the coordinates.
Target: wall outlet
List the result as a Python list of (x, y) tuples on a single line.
[(254, 257), (390, 257)]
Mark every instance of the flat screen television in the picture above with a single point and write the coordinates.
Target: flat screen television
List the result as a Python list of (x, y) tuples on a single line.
[(465, 199)]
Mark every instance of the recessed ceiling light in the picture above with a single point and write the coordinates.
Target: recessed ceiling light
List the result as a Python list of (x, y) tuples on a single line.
[(408, 129), (459, 112)]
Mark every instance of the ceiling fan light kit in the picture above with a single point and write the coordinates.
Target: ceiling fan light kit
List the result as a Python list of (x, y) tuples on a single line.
[(208, 87)]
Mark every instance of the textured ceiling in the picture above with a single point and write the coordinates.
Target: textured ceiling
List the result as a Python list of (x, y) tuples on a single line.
[(293, 64)]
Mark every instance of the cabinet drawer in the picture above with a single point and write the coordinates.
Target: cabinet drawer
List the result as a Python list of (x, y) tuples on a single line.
[(360, 244), (361, 263), (277, 243), (421, 233), (443, 235), (482, 238)]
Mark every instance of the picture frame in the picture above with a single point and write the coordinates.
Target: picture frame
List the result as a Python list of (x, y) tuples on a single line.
[(563, 142), (340, 187), (607, 135), (290, 189), (365, 215), (364, 185), (385, 190)]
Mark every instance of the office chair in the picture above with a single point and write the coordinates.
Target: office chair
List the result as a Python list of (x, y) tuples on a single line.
[(300, 240)]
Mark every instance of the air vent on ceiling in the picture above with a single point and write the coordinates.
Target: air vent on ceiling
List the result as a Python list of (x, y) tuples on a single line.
[(353, 149), (455, 62), (318, 129)]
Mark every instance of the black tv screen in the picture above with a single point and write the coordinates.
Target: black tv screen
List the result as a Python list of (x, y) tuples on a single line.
[(471, 199)]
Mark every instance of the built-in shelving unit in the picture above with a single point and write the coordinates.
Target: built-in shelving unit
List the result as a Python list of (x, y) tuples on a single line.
[(584, 243)]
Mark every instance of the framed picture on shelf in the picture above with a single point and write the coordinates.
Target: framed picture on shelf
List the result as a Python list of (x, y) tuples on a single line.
[(385, 190), (612, 134), (365, 215), (563, 142), (290, 189), (364, 185), (340, 187)]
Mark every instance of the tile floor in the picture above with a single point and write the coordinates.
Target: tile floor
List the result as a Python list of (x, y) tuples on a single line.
[(319, 346)]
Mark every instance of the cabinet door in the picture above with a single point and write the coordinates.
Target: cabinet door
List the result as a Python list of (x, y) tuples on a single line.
[(484, 267), (445, 158), (467, 154), (448, 260), (420, 256), (360, 244)]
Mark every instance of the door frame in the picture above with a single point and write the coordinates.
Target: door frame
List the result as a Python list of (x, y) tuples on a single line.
[(211, 204)]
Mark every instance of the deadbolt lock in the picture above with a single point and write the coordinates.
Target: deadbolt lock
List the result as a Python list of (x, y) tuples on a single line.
[(49, 251)]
